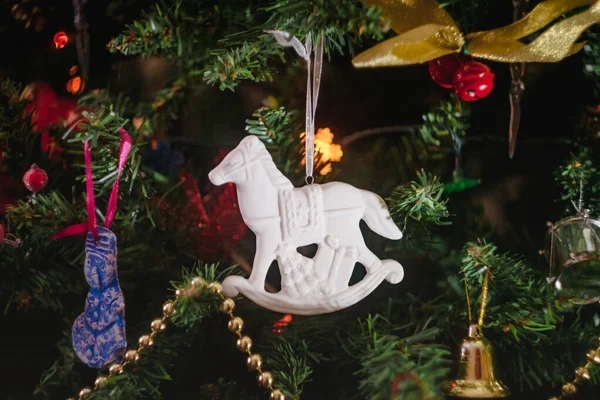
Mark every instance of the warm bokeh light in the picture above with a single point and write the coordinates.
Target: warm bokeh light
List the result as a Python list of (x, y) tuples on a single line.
[(75, 85), (329, 152), (282, 323), (60, 40), (74, 69)]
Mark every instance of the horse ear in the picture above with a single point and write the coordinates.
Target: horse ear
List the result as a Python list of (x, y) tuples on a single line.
[(253, 143)]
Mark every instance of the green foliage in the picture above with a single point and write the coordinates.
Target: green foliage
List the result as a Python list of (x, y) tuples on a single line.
[(226, 43), (280, 130), (447, 121), (275, 127), (421, 201), (292, 370), (399, 368), (580, 180)]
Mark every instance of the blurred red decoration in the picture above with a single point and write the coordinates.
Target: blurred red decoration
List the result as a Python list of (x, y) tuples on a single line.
[(282, 323), (73, 70), (8, 238), (473, 81), (442, 69), (75, 85), (35, 179), (409, 376), (213, 221), (9, 190), (47, 110), (60, 40)]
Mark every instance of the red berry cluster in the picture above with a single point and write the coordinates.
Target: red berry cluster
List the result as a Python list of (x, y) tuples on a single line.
[(471, 80)]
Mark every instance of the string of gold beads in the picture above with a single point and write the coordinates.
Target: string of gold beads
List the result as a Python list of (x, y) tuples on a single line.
[(581, 375), (244, 343), (235, 325)]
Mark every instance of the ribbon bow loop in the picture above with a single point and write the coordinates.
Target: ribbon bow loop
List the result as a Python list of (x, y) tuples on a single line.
[(111, 209), (426, 31)]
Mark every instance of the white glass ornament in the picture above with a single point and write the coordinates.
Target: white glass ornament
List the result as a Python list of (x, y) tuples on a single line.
[(285, 218)]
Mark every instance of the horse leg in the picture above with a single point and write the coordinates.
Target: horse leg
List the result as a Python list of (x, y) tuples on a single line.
[(349, 235), (365, 256), (266, 244)]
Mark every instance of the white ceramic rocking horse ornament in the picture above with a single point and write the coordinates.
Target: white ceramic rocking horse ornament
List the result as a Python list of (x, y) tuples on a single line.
[(285, 218)]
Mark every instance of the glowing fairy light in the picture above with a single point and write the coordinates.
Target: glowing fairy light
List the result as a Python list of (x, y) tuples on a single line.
[(328, 151)]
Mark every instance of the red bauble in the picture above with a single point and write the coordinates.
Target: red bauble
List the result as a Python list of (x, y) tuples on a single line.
[(442, 69), (473, 81), (35, 179), (60, 40)]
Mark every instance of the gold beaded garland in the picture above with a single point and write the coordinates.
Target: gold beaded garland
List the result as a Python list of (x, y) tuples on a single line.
[(235, 324), (582, 373), (101, 380), (244, 344), (254, 361), (145, 341), (197, 282), (132, 355), (215, 287), (593, 356), (84, 392), (227, 306), (168, 309), (265, 379), (115, 369), (277, 395), (569, 389), (158, 325)]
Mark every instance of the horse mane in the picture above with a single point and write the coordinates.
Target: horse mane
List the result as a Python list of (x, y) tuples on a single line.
[(275, 176), (258, 151)]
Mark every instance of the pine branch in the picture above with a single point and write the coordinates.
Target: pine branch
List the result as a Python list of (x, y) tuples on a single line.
[(399, 368), (280, 130), (421, 201), (226, 43), (579, 179), (293, 371), (446, 122)]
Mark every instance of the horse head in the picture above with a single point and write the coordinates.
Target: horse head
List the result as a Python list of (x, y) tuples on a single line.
[(237, 165)]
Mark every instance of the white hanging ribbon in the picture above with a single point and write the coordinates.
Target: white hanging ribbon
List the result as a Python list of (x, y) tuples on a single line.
[(312, 90)]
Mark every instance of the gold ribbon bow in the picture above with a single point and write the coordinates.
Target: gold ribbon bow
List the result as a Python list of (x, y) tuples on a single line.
[(426, 31)]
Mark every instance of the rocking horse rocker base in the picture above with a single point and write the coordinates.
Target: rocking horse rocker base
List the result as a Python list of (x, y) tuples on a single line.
[(389, 270), (285, 218)]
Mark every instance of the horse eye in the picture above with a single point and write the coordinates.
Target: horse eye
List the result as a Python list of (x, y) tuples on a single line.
[(232, 163)]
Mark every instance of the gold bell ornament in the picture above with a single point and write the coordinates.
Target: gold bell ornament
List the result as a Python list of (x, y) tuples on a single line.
[(476, 377)]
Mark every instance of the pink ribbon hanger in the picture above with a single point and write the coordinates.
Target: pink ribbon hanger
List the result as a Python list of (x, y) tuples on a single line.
[(111, 210)]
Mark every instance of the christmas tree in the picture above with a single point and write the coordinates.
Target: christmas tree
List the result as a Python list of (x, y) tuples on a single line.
[(477, 121)]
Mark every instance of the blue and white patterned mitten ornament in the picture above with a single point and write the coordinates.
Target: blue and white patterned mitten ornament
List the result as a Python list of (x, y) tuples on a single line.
[(99, 332)]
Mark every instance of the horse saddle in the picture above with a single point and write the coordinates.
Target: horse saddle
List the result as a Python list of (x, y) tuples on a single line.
[(301, 211)]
